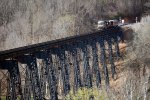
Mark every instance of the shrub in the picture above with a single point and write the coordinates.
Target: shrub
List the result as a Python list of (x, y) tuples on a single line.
[(87, 94)]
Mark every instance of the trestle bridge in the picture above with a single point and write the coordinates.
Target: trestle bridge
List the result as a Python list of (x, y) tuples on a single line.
[(54, 68)]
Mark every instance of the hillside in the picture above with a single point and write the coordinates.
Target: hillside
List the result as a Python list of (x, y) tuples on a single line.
[(25, 22)]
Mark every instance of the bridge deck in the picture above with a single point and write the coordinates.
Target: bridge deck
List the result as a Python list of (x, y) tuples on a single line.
[(36, 47)]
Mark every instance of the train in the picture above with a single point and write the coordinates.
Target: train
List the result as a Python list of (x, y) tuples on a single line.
[(106, 23)]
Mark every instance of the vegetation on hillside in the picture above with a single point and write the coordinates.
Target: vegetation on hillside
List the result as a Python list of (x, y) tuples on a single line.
[(25, 22)]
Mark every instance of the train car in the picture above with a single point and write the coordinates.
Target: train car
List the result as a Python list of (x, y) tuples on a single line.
[(101, 24), (114, 22)]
